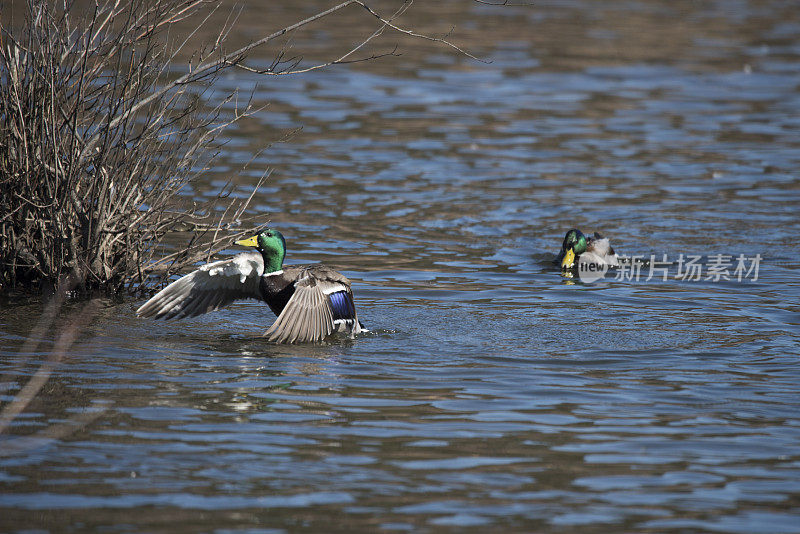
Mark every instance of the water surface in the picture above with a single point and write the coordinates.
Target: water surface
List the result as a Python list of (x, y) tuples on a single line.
[(492, 394)]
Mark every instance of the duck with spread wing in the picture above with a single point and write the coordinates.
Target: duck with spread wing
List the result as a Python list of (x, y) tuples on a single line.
[(310, 301)]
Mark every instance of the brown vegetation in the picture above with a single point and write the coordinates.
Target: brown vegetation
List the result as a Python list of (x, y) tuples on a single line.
[(93, 152)]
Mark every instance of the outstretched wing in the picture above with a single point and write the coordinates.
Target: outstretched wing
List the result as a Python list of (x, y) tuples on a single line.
[(211, 287), (322, 303)]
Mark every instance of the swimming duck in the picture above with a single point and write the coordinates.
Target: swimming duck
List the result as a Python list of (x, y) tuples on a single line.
[(594, 249), (310, 301)]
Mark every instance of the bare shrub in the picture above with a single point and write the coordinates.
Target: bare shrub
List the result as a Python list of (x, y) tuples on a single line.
[(93, 157)]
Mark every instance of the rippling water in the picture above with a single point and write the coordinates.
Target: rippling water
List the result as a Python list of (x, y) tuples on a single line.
[(492, 393)]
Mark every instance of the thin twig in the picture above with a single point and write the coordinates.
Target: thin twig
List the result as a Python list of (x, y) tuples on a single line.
[(412, 33)]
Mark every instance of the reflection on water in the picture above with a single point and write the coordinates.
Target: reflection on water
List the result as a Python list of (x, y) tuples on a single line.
[(491, 393)]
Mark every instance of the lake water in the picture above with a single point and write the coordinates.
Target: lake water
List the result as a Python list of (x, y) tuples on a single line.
[(492, 393)]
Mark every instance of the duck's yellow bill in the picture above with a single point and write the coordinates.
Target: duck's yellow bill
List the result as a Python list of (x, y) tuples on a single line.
[(249, 242), (569, 260)]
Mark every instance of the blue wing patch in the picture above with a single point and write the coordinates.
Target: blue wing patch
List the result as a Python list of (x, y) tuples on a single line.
[(342, 305)]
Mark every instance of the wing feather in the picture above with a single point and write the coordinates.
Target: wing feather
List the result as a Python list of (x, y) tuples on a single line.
[(308, 315), (211, 287), (173, 308), (295, 320), (304, 318), (305, 329), (320, 320), (321, 323), (195, 307)]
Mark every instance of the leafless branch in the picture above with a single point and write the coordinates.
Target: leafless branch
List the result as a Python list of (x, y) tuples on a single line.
[(504, 3), (390, 24)]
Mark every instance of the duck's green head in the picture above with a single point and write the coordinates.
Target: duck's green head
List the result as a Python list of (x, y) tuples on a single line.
[(573, 246), (272, 246)]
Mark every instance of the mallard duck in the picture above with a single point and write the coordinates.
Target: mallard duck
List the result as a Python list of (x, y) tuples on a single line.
[(311, 301), (594, 249)]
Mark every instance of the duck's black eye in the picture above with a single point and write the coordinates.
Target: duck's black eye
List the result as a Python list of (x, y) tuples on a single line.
[(269, 234)]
